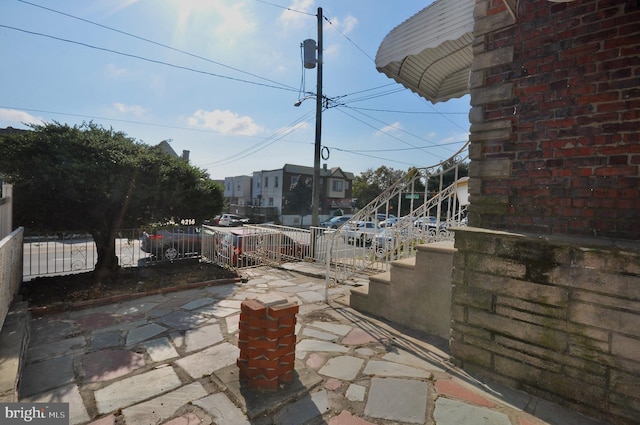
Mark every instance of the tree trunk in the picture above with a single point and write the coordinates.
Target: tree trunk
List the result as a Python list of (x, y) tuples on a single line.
[(106, 247)]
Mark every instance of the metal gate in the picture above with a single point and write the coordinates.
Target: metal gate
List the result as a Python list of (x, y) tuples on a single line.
[(255, 245)]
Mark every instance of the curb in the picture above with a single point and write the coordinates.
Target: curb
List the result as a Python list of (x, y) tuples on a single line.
[(79, 305)]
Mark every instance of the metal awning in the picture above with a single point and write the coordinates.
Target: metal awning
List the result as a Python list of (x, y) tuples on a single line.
[(430, 53)]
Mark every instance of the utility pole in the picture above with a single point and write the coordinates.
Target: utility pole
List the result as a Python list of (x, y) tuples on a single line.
[(315, 202)]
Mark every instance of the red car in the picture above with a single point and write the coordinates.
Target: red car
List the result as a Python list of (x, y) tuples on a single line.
[(247, 247)]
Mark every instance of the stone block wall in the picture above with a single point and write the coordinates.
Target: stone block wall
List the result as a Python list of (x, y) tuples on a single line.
[(558, 317), (267, 343), (555, 96)]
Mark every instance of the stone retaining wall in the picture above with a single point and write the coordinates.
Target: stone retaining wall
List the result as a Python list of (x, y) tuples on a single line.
[(556, 317)]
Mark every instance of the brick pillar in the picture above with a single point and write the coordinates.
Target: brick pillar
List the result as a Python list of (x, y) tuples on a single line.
[(267, 342)]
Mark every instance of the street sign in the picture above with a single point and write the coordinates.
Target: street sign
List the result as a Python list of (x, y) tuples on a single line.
[(411, 196)]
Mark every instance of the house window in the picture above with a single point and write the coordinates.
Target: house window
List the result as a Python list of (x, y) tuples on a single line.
[(337, 186), (266, 182), (270, 202), (239, 186), (275, 183), (294, 181)]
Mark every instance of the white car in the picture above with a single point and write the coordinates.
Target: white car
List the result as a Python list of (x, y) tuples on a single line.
[(230, 220), (361, 232)]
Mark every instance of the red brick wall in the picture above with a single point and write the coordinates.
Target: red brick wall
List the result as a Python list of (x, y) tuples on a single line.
[(568, 151)]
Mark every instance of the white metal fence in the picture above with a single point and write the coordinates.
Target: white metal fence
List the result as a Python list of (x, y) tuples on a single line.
[(250, 245)]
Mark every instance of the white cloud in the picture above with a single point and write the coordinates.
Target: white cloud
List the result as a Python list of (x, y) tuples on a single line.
[(290, 129), (345, 26), (135, 110), (293, 19), (331, 50), (114, 71), (233, 21), (224, 22), (15, 116), (392, 129), (225, 122)]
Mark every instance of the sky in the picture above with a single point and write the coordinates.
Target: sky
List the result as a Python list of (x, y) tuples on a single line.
[(220, 78)]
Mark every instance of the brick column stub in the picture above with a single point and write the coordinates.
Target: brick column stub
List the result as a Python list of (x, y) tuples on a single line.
[(267, 342)]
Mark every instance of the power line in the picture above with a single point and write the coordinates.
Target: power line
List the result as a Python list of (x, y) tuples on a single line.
[(175, 127), (277, 136), (408, 149), (152, 42), (348, 39), (376, 95), (366, 90), (286, 8), (391, 135), (409, 112), (146, 59)]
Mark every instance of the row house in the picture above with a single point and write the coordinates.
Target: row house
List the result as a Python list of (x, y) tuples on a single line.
[(269, 188), (237, 190)]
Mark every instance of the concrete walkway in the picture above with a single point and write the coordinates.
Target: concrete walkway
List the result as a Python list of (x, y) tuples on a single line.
[(171, 359)]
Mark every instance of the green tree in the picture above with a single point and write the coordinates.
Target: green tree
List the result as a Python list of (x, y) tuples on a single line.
[(98, 181), (448, 169), (371, 183)]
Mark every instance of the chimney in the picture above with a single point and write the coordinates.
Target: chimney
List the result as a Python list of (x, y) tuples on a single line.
[(185, 155)]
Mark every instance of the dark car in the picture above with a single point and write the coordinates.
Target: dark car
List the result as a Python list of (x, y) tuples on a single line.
[(335, 222), (172, 242)]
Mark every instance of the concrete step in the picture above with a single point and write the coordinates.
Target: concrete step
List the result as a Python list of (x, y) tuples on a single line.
[(415, 292), (371, 299)]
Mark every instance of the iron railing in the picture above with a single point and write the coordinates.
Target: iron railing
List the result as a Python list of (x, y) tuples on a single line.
[(73, 252), (375, 236)]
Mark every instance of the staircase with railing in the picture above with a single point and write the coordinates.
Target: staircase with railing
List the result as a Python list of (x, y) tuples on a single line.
[(428, 202), (410, 257)]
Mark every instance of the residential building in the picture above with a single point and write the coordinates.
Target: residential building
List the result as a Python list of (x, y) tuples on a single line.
[(545, 285), (166, 147), (269, 189), (237, 190)]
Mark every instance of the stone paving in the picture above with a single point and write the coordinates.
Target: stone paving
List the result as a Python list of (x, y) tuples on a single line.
[(171, 359)]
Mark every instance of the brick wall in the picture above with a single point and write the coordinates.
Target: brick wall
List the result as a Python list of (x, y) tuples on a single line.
[(556, 317), (555, 95)]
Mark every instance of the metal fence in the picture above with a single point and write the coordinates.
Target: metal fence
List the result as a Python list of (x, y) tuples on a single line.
[(255, 245), (72, 252)]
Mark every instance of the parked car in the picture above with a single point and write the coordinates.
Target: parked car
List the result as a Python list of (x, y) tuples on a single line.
[(361, 232), (383, 217), (231, 220), (245, 247), (215, 221), (389, 222), (171, 243), (335, 222), (427, 224)]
